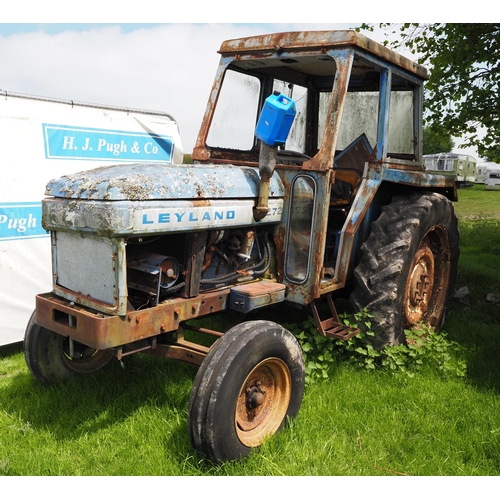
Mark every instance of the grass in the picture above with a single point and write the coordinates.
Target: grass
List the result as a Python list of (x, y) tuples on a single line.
[(131, 420), (475, 323), (476, 203)]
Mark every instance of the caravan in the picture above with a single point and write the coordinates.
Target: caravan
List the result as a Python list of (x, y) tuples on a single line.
[(492, 177), (481, 173), (460, 166)]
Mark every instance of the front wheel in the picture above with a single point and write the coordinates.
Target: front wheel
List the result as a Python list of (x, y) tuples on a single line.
[(408, 266), (51, 357), (251, 381)]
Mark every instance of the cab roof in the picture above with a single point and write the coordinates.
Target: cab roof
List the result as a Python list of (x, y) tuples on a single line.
[(319, 41)]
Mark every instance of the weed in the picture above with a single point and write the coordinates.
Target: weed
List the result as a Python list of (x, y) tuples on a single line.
[(424, 348)]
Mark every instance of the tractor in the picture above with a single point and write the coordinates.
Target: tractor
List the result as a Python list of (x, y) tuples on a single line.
[(307, 185)]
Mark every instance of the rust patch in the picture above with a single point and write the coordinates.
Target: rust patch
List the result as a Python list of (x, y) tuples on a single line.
[(103, 332)]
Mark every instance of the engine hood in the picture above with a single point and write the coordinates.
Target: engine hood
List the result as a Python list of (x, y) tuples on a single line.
[(142, 182)]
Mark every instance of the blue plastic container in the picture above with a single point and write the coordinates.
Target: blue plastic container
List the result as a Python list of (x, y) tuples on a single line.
[(275, 119)]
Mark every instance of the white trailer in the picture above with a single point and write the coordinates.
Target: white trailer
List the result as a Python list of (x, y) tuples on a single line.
[(492, 177), (480, 173), (42, 139)]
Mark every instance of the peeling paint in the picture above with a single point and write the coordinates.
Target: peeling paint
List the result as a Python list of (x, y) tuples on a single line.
[(140, 182)]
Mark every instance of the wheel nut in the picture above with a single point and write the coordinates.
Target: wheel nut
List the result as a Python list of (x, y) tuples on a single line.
[(254, 398)]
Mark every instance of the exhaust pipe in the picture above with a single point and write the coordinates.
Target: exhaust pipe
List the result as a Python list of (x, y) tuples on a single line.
[(273, 127), (267, 162)]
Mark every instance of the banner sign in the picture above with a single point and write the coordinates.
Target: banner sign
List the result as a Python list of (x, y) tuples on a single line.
[(84, 143), (21, 221)]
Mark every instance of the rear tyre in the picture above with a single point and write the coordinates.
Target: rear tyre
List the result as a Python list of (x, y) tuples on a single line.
[(48, 356), (408, 266), (251, 381)]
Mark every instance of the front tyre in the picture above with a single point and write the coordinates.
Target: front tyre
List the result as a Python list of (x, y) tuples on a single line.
[(408, 266), (251, 381), (51, 358)]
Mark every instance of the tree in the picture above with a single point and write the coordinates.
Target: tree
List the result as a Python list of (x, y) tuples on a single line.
[(462, 93), (436, 140)]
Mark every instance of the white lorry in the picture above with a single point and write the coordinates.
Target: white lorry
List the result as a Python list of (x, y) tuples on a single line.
[(41, 139)]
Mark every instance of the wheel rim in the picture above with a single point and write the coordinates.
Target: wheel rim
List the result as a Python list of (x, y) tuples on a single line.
[(81, 358), (427, 283), (263, 401), (80, 352), (418, 291)]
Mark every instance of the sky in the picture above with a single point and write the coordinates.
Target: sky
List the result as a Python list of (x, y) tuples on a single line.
[(160, 67), (143, 55)]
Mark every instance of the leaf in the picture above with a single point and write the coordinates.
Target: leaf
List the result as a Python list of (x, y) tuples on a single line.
[(306, 347)]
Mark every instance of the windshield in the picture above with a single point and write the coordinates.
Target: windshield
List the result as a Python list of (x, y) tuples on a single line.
[(311, 82)]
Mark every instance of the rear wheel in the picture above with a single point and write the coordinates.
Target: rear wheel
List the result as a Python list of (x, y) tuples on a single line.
[(51, 357), (408, 266), (251, 381)]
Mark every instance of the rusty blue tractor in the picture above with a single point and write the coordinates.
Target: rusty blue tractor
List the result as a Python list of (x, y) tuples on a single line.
[(307, 185)]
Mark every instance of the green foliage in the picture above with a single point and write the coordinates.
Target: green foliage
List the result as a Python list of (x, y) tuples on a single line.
[(436, 140), (462, 91), (425, 348), (319, 351)]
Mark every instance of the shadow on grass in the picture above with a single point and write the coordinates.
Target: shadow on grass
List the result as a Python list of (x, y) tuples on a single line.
[(475, 324), (477, 330), (95, 402), (10, 349)]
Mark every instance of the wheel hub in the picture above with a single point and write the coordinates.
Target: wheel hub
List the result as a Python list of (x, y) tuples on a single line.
[(418, 290), (263, 401), (255, 397)]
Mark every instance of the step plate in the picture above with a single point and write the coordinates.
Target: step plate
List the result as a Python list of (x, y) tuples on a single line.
[(339, 331)]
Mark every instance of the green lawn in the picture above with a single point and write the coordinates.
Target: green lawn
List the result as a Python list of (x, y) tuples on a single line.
[(131, 420)]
